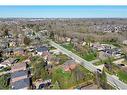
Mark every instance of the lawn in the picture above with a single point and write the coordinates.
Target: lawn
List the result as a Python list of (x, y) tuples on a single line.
[(68, 79), (122, 76), (51, 48), (21, 58), (61, 77), (89, 56), (63, 58), (68, 46), (4, 83), (60, 72), (5, 69), (108, 60)]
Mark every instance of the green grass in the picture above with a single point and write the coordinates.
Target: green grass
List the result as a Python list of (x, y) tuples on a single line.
[(60, 72), (3, 82), (104, 61), (98, 63), (63, 58), (68, 46), (21, 58), (62, 77), (122, 76), (51, 48), (5, 69), (89, 56), (67, 79), (125, 62)]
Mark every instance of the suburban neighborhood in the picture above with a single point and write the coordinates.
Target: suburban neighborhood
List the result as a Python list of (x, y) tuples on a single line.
[(63, 54)]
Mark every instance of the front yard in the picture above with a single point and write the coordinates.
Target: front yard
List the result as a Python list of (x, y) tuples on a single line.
[(67, 80), (89, 55)]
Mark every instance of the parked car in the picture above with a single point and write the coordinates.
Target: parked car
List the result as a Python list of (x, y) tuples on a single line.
[(1, 67)]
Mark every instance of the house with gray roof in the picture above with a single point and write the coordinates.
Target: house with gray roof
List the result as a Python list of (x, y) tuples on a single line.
[(21, 84), (41, 49)]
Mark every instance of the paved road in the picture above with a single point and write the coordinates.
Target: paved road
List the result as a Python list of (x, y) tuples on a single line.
[(88, 65)]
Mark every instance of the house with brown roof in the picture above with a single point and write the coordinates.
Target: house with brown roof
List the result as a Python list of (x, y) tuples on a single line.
[(18, 67), (20, 76), (69, 65), (19, 51), (8, 62)]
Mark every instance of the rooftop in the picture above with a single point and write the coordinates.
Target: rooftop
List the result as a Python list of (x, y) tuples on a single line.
[(21, 84), (18, 67), (16, 76), (42, 49)]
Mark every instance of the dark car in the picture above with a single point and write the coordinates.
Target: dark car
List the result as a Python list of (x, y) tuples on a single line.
[(1, 67), (121, 64), (41, 86), (99, 71)]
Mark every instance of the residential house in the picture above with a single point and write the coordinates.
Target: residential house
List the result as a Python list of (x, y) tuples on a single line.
[(115, 52), (19, 66), (20, 76), (69, 65), (4, 44), (41, 50), (21, 84), (43, 34), (84, 43), (98, 46), (19, 51), (7, 62), (12, 44), (31, 48), (68, 39), (8, 52), (53, 60)]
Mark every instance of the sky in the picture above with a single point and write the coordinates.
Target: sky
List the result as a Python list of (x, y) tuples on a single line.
[(63, 11)]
